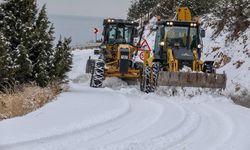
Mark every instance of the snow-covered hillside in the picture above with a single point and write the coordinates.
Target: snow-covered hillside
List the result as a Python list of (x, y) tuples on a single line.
[(233, 57), (121, 117)]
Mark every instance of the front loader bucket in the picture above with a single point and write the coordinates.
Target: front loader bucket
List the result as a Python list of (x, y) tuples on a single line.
[(190, 79)]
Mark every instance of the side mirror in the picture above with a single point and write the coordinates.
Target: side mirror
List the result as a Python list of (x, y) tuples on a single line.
[(96, 52), (203, 33)]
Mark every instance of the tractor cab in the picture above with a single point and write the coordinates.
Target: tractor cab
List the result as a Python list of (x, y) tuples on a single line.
[(118, 31), (181, 37)]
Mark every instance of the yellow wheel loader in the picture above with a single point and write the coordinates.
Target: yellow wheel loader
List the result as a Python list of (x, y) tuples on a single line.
[(117, 53), (176, 57)]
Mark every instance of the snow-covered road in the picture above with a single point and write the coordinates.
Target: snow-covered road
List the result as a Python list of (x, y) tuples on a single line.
[(123, 118)]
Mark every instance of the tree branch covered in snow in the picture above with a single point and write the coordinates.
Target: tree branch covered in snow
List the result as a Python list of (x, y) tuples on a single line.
[(26, 45)]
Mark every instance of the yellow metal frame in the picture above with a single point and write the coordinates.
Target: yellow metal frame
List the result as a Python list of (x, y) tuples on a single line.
[(173, 63), (197, 63), (184, 14), (112, 68), (114, 72), (146, 55)]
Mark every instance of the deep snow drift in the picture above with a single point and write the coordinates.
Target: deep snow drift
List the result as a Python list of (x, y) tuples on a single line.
[(121, 117)]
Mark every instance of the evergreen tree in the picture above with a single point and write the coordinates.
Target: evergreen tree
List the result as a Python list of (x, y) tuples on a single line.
[(62, 60), (26, 46), (24, 68), (17, 27), (6, 73), (133, 11), (199, 7), (141, 8), (42, 49), (233, 15), (166, 8)]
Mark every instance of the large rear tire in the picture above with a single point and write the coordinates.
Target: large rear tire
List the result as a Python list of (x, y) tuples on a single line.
[(145, 80), (97, 75), (154, 75)]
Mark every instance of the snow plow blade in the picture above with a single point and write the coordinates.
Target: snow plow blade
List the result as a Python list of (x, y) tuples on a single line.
[(187, 79)]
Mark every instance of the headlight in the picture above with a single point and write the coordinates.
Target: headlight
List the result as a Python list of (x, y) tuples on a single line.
[(199, 46), (193, 24), (170, 23), (109, 20), (162, 43)]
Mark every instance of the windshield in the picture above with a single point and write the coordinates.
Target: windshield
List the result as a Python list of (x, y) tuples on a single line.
[(180, 37), (120, 34)]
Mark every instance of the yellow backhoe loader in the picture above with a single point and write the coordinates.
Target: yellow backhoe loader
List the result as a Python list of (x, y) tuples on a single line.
[(176, 56), (117, 53)]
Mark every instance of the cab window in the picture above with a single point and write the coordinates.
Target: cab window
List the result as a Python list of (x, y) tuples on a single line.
[(176, 36)]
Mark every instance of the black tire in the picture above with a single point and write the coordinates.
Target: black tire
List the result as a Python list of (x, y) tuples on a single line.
[(154, 76), (145, 85), (97, 75)]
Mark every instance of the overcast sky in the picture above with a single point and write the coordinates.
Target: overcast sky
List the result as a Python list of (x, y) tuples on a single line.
[(96, 8)]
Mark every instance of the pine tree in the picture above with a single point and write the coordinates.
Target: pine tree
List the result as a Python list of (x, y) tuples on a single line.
[(166, 8), (5, 62), (62, 60), (133, 11), (19, 18), (26, 45), (42, 49), (23, 72)]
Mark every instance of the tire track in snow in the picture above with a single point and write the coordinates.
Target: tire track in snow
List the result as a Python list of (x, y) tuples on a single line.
[(75, 129), (172, 136), (112, 126), (215, 127)]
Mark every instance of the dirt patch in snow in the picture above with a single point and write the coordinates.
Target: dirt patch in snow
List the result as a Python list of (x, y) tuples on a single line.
[(239, 63), (26, 99), (241, 96), (242, 101), (223, 60)]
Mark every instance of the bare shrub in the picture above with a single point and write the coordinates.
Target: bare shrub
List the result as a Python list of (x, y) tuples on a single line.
[(21, 100)]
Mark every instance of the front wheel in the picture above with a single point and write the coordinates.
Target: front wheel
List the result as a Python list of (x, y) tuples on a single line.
[(154, 75), (97, 75), (145, 80)]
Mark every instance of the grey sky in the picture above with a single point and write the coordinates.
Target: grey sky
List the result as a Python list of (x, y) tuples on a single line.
[(97, 8)]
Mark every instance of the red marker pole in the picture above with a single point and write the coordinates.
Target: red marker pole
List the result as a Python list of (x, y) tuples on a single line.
[(96, 30)]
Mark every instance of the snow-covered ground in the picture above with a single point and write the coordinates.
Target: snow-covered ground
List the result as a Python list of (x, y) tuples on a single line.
[(123, 118), (233, 57)]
